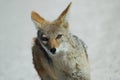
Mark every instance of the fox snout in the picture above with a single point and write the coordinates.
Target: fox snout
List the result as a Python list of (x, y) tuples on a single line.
[(53, 44)]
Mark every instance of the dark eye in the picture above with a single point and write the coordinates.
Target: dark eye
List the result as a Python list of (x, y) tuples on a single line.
[(59, 36), (44, 39)]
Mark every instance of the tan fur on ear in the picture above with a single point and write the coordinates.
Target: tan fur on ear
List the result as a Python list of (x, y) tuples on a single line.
[(37, 18), (64, 13)]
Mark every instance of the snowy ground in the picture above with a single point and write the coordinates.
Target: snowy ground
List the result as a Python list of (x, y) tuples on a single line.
[(97, 22)]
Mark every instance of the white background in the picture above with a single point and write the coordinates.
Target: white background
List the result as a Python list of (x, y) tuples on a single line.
[(97, 22)]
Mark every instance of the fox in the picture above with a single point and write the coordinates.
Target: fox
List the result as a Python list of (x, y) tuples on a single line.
[(57, 53)]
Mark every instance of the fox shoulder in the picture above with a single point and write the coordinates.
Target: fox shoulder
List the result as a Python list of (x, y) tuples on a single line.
[(80, 44)]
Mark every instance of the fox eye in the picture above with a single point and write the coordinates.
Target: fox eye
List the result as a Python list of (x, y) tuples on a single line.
[(44, 38), (59, 36)]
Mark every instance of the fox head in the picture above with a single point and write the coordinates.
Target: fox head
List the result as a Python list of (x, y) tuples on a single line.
[(51, 34)]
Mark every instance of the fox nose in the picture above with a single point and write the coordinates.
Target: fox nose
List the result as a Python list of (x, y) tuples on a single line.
[(53, 50)]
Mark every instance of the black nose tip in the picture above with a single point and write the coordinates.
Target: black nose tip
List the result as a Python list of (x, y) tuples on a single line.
[(53, 50)]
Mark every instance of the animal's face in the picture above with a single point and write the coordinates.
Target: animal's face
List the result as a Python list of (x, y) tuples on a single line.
[(51, 34)]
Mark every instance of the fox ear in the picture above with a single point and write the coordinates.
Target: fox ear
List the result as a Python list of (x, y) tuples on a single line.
[(37, 19), (64, 14)]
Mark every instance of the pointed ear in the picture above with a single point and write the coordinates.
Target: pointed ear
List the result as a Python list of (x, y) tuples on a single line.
[(37, 19), (64, 14)]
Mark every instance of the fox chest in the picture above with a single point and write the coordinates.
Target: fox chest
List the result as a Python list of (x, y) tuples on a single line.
[(69, 62)]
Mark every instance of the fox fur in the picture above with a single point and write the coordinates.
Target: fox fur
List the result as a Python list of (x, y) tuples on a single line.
[(57, 53)]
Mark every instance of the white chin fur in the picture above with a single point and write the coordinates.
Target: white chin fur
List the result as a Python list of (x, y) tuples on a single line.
[(63, 47)]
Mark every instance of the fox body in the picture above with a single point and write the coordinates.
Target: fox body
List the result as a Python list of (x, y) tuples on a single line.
[(58, 54)]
